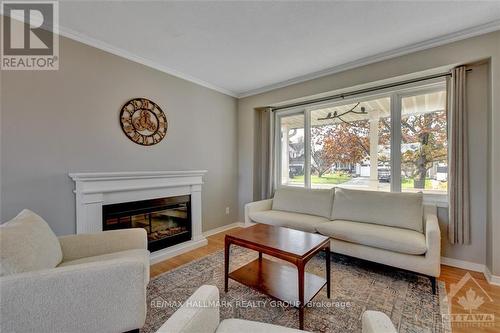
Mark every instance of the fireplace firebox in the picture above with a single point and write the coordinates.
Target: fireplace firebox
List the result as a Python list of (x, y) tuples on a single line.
[(166, 220)]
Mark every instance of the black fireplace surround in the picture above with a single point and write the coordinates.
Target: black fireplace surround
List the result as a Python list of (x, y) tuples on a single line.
[(166, 220)]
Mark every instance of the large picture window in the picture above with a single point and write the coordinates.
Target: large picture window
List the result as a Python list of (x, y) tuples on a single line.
[(394, 141), (350, 145), (424, 146), (293, 150)]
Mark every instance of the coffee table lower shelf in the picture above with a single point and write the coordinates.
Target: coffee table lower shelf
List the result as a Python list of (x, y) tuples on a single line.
[(277, 280)]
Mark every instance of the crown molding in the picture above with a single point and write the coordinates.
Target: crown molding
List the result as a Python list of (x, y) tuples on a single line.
[(82, 38), (430, 43)]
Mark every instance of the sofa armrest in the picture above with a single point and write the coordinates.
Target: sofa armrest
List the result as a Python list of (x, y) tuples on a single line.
[(376, 322), (200, 313), (88, 245), (256, 206), (433, 242), (106, 296)]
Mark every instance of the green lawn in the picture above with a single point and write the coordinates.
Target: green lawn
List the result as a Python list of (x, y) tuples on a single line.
[(336, 178), (339, 178), (408, 183)]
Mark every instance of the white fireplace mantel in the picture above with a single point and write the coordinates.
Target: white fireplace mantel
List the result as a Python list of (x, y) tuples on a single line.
[(95, 189)]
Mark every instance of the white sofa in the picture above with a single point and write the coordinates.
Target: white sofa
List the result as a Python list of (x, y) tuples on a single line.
[(394, 229), (78, 283), (200, 314)]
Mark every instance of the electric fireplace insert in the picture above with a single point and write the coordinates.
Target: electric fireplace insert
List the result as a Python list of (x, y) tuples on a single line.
[(166, 220)]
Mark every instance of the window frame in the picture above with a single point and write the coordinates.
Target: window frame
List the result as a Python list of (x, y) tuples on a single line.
[(396, 96)]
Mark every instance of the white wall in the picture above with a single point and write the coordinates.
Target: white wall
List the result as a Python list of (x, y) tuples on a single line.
[(55, 122), (485, 199)]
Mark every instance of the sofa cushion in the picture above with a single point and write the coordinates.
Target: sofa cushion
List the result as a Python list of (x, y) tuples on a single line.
[(402, 210), (27, 244), (374, 235), (297, 221), (307, 201)]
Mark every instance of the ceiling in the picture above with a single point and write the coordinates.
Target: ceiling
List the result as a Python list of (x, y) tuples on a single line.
[(242, 48)]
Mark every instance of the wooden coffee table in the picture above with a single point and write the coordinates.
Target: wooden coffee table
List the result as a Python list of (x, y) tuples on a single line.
[(278, 280)]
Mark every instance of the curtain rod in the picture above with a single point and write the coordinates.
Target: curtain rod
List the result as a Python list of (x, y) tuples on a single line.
[(360, 91)]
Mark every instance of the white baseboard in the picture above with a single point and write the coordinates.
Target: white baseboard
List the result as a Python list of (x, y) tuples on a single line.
[(492, 279), (472, 266), (223, 228), (175, 250)]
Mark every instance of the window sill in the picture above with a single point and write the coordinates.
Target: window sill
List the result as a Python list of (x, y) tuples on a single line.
[(440, 200)]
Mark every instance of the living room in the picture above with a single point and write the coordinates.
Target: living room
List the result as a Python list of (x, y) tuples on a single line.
[(250, 166)]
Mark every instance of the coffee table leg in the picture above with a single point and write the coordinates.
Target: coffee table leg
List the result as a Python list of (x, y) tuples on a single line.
[(328, 276), (300, 269), (227, 244)]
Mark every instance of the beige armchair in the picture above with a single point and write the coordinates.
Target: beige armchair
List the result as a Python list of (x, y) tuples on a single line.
[(78, 283), (200, 314)]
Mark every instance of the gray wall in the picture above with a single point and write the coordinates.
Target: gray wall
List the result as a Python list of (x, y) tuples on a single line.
[(55, 122), (65, 121), (484, 108)]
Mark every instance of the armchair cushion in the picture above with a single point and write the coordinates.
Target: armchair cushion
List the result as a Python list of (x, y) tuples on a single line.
[(376, 322), (138, 255), (200, 313), (27, 244), (95, 244)]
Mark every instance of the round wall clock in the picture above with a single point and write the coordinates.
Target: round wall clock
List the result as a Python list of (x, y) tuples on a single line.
[(143, 121)]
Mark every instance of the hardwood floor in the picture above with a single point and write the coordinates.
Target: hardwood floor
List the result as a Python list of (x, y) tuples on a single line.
[(215, 243), (449, 275)]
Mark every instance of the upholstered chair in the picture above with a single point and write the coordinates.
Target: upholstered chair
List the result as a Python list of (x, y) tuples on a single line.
[(200, 314), (77, 283)]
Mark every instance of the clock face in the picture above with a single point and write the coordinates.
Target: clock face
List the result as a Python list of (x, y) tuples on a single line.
[(143, 121)]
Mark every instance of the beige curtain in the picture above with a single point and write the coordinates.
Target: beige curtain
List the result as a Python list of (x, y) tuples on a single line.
[(458, 158), (266, 152)]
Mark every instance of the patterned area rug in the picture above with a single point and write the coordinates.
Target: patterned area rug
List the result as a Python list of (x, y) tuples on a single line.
[(357, 285)]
